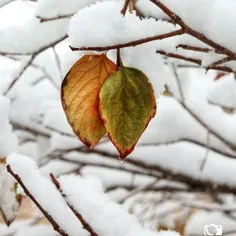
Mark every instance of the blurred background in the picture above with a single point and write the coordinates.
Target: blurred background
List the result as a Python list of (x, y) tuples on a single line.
[(182, 174)]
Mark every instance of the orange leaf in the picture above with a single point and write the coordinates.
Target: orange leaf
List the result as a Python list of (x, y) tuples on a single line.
[(79, 96)]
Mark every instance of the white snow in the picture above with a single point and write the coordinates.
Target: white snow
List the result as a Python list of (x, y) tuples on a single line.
[(144, 58), (56, 8), (46, 193), (223, 92), (90, 192), (8, 202), (207, 19), (37, 230), (103, 215), (8, 140), (174, 140), (102, 24), (186, 158), (31, 37)]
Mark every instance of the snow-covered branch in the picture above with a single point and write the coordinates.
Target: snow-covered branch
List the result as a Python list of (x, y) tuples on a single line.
[(87, 203)]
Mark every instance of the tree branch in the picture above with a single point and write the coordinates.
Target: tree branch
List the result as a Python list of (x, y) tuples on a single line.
[(219, 62), (193, 60), (42, 20), (193, 48), (188, 30), (125, 7), (20, 73), (178, 56), (49, 217), (132, 43), (161, 172), (79, 216), (33, 55)]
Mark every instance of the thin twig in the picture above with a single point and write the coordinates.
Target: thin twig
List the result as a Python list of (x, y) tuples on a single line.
[(178, 56), (221, 61), (207, 151), (54, 18), (138, 190), (193, 48), (181, 92), (193, 60), (125, 7)]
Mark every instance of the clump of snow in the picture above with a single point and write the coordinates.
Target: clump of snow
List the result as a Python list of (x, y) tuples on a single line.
[(8, 202), (57, 8), (8, 140), (147, 8), (103, 24), (36, 230), (223, 92), (31, 36)]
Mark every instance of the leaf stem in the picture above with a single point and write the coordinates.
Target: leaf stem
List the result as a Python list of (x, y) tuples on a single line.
[(119, 60)]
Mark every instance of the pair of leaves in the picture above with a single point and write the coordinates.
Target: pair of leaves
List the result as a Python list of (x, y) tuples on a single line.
[(99, 99)]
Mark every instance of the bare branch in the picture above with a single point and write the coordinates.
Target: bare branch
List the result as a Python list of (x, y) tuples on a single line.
[(132, 43), (34, 131), (193, 60), (138, 190), (43, 48), (219, 62), (193, 48), (54, 18), (125, 7), (178, 56)]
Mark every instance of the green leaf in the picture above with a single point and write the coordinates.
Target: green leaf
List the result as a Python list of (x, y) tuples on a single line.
[(127, 103)]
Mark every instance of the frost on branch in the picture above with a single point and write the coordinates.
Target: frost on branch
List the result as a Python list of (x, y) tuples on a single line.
[(64, 204)]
